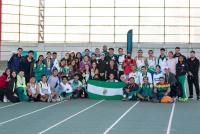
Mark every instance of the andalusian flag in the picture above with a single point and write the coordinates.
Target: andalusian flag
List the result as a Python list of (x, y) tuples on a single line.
[(105, 90)]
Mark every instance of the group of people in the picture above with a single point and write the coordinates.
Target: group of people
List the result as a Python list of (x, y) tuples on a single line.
[(49, 79)]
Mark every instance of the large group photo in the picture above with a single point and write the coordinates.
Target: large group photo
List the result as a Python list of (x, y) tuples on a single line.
[(99, 66), (49, 79)]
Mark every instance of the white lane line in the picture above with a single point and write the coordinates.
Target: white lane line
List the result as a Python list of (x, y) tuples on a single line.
[(68, 118), (171, 118), (122, 116), (21, 116), (10, 105)]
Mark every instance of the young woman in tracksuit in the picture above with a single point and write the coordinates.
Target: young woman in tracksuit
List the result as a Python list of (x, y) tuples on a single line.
[(181, 72)]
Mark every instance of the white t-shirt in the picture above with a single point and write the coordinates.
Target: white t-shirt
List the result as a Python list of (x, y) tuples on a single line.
[(44, 88), (66, 87)]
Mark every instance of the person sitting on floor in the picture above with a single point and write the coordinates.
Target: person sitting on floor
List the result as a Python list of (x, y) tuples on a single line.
[(4, 78), (45, 90), (131, 91), (21, 87), (33, 89), (10, 91), (66, 90), (77, 86)]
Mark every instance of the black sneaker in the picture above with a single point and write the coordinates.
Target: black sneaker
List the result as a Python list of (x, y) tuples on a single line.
[(198, 98), (191, 97)]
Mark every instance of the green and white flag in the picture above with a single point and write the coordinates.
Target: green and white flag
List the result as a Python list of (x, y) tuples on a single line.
[(105, 90)]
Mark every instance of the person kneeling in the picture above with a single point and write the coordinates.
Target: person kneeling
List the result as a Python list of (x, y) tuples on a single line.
[(162, 91), (146, 89), (131, 91)]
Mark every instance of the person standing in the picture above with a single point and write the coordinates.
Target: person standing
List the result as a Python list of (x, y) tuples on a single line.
[(14, 62), (27, 65), (193, 74), (181, 72), (171, 62), (162, 59)]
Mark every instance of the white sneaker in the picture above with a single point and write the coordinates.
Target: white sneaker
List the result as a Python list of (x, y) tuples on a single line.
[(5, 99)]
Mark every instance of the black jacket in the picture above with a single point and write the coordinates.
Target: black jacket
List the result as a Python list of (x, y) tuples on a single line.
[(193, 66), (181, 69), (102, 66), (14, 62), (11, 85)]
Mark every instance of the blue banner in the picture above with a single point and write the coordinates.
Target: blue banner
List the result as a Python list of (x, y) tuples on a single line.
[(129, 41)]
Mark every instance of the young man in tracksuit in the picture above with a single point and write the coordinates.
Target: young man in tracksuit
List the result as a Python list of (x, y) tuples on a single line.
[(193, 74)]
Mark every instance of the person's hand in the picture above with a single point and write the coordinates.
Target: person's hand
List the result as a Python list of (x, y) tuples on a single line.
[(190, 74), (127, 90)]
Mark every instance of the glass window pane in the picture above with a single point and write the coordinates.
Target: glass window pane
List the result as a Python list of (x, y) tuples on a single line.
[(102, 29), (195, 39), (78, 3), (102, 38), (29, 11), (28, 37), (176, 38), (54, 12), (177, 3), (151, 38), (195, 21), (177, 11), (54, 21), (176, 21), (176, 30), (15, 2), (54, 3), (125, 29), (123, 38), (77, 38), (127, 12), (152, 21), (7, 18), (10, 28), (10, 36), (10, 9), (128, 3), (152, 3), (54, 37), (28, 19), (126, 20), (102, 12), (34, 3), (152, 12), (102, 20), (195, 3), (54, 29), (194, 12), (28, 29), (195, 30), (151, 29), (77, 11), (102, 3), (77, 29), (77, 20)]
